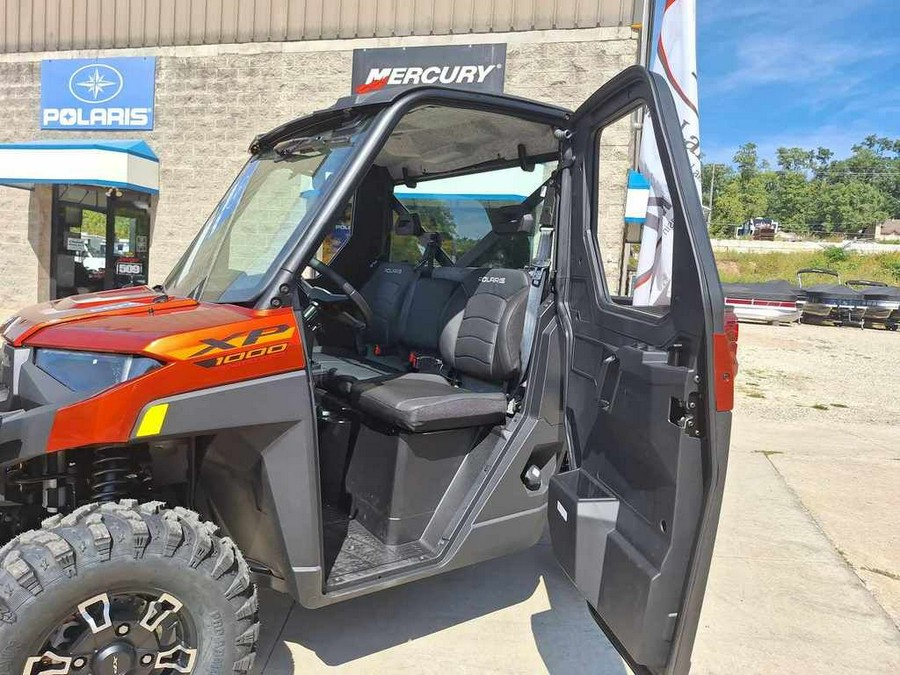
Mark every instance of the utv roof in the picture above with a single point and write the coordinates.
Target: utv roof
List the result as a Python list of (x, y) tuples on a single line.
[(381, 99)]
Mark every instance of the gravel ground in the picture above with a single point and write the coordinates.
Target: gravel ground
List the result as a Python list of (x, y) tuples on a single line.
[(800, 373), (822, 404)]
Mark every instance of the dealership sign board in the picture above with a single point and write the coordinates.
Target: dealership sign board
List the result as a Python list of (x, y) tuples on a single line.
[(98, 94), (479, 67)]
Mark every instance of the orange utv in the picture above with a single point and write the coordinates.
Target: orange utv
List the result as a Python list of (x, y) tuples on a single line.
[(394, 349)]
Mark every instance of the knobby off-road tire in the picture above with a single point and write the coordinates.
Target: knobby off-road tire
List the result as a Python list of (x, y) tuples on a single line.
[(46, 573)]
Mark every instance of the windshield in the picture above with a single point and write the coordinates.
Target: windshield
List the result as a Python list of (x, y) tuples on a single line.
[(261, 217)]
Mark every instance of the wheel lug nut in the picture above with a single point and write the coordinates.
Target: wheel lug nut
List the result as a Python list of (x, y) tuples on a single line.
[(146, 659), (79, 663), (123, 629)]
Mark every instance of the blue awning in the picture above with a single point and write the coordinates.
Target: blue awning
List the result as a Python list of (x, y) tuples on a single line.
[(127, 164)]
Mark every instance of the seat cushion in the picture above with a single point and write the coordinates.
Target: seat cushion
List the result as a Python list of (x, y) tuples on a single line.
[(338, 373), (427, 402)]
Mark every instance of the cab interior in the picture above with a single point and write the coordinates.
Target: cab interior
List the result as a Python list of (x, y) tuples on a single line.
[(440, 238)]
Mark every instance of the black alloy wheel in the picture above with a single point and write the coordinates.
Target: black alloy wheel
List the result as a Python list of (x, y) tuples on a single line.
[(126, 589)]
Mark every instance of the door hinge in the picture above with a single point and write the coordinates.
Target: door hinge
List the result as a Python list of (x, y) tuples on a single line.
[(694, 424)]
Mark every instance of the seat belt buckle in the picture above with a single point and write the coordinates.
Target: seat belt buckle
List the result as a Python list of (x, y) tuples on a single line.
[(428, 363), (376, 350)]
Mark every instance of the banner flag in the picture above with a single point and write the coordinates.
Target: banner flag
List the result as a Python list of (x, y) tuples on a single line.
[(676, 61)]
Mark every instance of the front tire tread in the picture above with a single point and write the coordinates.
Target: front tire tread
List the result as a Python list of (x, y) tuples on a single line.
[(94, 534)]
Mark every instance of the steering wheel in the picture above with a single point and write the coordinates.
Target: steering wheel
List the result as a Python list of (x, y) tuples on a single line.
[(322, 296)]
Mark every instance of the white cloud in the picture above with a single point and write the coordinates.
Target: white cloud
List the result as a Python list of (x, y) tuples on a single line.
[(803, 43), (797, 60)]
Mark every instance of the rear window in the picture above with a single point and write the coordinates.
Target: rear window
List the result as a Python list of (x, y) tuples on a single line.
[(459, 209)]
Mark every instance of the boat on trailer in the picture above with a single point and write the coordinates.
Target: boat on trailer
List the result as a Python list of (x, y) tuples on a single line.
[(833, 303), (767, 302), (881, 303)]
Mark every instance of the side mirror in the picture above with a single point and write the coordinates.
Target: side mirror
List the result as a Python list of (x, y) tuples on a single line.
[(408, 224), (523, 224)]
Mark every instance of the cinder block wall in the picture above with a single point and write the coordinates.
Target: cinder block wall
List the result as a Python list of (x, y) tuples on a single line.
[(212, 100)]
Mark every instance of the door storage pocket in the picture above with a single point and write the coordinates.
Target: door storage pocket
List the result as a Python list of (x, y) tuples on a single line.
[(581, 514)]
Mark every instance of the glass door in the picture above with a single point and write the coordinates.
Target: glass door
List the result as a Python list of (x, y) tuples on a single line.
[(128, 257), (100, 240)]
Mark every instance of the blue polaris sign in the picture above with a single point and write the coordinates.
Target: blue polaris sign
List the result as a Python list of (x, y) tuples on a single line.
[(98, 94)]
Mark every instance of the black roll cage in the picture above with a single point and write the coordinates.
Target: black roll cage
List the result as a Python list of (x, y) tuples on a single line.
[(278, 288)]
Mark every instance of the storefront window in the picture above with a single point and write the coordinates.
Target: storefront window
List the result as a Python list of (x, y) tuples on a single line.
[(101, 240)]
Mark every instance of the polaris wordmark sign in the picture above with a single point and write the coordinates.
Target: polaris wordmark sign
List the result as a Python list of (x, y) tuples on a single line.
[(98, 94), (478, 67)]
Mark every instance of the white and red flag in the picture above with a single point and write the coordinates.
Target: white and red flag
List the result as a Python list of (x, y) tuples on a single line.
[(675, 60)]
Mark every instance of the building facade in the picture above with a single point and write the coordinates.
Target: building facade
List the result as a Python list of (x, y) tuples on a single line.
[(221, 73)]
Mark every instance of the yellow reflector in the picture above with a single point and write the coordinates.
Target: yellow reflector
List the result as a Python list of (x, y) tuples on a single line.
[(153, 420)]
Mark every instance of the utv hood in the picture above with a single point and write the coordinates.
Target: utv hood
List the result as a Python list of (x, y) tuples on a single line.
[(127, 321)]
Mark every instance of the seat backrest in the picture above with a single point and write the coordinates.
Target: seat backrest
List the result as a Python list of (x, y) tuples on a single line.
[(386, 291), (423, 312), (432, 301), (482, 339)]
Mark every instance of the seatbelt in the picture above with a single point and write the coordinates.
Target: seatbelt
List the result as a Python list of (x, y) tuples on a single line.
[(539, 268)]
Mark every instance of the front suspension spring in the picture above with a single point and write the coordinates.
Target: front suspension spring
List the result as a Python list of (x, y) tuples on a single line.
[(112, 475)]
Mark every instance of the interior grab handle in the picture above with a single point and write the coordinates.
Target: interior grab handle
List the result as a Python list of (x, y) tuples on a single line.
[(603, 382)]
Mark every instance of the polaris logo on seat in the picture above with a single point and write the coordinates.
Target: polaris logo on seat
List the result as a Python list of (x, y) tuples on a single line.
[(492, 280), (393, 270)]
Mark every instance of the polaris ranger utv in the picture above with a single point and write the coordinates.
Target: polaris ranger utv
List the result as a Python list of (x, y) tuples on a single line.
[(391, 351)]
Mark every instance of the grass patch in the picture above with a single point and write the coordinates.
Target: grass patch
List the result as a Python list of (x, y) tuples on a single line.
[(768, 453), (737, 266), (839, 405), (819, 406), (884, 573), (754, 394)]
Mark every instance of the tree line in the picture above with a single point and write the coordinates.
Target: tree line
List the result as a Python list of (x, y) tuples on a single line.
[(807, 190)]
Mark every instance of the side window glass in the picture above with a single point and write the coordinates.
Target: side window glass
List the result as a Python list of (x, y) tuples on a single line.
[(633, 214)]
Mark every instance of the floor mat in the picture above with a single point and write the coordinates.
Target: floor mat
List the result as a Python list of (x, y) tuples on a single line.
[(350, 548)]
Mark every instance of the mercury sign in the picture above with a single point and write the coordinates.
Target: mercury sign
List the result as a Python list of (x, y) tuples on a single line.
[(98, 94), (478, 67)]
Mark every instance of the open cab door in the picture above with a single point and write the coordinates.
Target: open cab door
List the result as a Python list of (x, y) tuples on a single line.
[(648, 389)]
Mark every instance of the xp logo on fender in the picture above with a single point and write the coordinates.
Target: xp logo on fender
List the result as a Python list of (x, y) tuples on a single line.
[(111, 94)]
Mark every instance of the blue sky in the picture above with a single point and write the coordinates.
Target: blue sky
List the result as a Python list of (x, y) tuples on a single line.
[(797, 73)]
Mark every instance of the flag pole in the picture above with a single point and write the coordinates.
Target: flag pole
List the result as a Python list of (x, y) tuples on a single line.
[(645, 55)]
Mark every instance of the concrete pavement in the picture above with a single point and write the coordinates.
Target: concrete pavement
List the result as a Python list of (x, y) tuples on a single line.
[(781, 596), (806, 570), (517, 614)]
